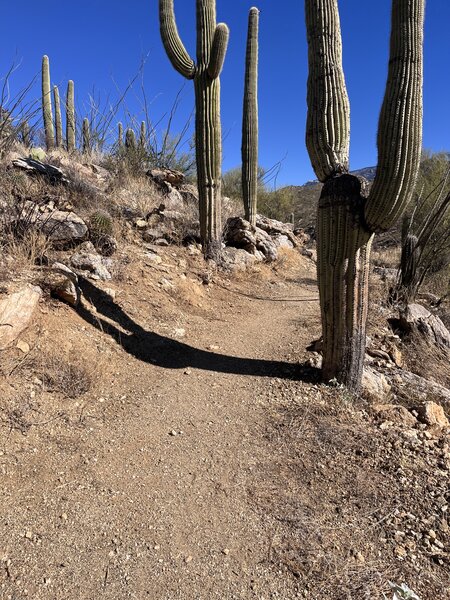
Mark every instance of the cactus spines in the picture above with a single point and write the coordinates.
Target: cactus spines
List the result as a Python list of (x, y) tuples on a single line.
[(348, 215), (47, 104), (120, 135), (212, 41), (250, 121), (409, 261), (70, 117), (130, 139), (58, 119), (100, 223), (143, 135), (86, 136)]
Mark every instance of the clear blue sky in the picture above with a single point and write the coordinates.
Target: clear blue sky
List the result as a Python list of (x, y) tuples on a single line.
[(96, 41)]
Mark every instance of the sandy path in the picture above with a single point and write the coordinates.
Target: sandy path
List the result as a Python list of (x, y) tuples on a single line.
[(120, 507)]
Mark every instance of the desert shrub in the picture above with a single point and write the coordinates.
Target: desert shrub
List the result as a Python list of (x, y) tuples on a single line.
[(426, 228)]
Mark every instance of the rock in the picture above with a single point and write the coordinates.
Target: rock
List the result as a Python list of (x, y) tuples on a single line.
[(88, 260), (237, 259), (239, 233), (417, 318), (16, 311), (375, 385), (282, 241), (23, 346), (140, 224), (36, 167), (105, 244), (395, 413), (63, 283), (171, 176), (433, 414), (276, 228), (411, 386), (63, 227)]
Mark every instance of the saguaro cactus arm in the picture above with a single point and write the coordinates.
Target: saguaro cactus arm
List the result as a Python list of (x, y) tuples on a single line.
[(218, 50), (328, 120), (400, 124), (177, 53), (250, 120)]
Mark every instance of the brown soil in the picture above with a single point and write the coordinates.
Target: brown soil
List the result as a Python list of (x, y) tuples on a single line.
[(168, 443)]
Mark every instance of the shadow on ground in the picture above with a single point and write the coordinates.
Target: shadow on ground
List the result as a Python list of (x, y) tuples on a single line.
[(167, 353)]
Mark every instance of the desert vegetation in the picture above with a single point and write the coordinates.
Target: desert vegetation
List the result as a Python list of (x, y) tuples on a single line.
[(212, 386)]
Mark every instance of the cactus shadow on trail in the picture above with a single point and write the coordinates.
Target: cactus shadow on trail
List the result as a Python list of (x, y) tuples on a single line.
[(168, 353)]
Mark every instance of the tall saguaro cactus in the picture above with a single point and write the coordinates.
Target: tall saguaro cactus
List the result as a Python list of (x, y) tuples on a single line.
[(58, 119), (212, 41), (47, 104), (250, 120), (120, 135), (348, 214), (70, 117)]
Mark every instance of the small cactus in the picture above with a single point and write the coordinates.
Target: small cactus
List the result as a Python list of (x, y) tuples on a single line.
[(58, 120), (250, 121), (100, 222), (86, 134), (47, 104), (70, 117)]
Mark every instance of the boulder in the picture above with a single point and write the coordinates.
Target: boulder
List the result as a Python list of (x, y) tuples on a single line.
[(88, 260), (416, 388), (171, 176), (417, 318), (62, 283), (62, 227), (36, 167), (275, 228), (237, 259), (16, 311), (433, 414), (239, 233), (375, 385)]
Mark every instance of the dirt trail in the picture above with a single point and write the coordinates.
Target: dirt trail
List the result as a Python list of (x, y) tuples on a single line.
[(146, 495)]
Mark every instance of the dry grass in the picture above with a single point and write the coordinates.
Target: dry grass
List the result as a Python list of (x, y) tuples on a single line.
[(70, 378)]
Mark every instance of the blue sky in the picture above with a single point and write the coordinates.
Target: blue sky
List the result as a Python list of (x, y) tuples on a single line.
[(100, 43)]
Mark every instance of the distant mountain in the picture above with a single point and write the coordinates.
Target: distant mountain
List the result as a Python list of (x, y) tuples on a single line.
[(303, 198), (367, 172)]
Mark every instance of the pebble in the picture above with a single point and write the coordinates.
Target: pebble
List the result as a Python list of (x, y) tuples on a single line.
[(226, 551), (173, 432)]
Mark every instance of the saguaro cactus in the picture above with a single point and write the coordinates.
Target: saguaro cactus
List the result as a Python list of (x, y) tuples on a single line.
[(250, 120), (70, 117), (58, 119), (86, 134), (26, 135), (130, 139), (212, 41), (143, 136), (47, 104), (120, 135), (349, 215)]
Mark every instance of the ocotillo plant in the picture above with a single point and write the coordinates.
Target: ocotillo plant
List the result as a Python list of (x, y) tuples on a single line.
[(47, 104), (250, 121), (86, 134), (212, 41), (58, 120), (120, 135), (70, 117), (349, 215)]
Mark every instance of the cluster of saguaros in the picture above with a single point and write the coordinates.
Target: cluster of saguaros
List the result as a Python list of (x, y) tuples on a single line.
[(53, 129), (348, 213)]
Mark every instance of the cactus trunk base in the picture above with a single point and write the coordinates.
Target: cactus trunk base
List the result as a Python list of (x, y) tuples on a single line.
[(343, 248)]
